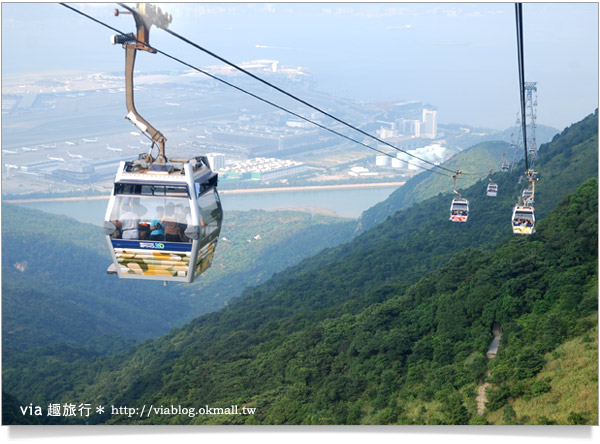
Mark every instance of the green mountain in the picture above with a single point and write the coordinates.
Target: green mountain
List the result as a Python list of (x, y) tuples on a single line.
[(390, 328), (425, 345), (55, 286), (259, 243)]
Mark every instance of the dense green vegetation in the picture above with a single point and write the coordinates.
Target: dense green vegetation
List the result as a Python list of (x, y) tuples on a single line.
[(565, 391), (259, 243), (427, 343), (390, 328), (55, 286)]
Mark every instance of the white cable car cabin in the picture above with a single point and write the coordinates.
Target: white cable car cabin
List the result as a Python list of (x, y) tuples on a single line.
[(163, 220), (523, 220), (459, 210), (492, 190)]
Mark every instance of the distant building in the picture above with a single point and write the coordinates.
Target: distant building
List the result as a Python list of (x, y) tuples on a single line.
[(398, 163), (216, 161), (414, 159), (75, 172), (263, 140), (386, 133), (429, 125), (409, 127), (263, 169)]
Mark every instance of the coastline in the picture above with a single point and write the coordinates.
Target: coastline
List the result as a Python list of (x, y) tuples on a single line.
[(240, 191)]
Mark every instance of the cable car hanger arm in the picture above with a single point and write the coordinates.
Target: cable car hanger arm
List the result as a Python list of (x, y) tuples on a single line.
[(145, 16), (458, 173)]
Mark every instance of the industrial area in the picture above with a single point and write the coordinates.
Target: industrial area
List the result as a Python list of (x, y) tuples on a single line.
[(62, 134)]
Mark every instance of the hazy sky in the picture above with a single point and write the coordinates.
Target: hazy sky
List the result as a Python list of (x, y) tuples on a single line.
[(460, 57)]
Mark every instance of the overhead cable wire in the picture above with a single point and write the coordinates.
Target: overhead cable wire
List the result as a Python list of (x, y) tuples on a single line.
[(521, 63), (239, 68), (250, 93)]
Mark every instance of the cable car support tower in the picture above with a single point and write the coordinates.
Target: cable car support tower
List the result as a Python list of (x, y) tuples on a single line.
[(531, 114)]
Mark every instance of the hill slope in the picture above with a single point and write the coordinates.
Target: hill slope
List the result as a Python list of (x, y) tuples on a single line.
[(415, 358), (55, 286), (426, 343), (348, 334)]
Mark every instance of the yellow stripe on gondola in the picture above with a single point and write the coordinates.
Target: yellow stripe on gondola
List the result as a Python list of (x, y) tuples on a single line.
[(522, 230), (158, 271)]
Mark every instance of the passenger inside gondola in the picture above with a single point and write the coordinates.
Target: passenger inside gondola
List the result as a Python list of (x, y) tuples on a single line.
[(523, 222), (130, 221), (151, 218), (172, 227), (157, 227)]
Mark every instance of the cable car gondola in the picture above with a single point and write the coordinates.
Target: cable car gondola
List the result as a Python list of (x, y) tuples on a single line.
[(163, 223), (164, 215), (523, 220), (505, 164), (459, 208), (492, 188)]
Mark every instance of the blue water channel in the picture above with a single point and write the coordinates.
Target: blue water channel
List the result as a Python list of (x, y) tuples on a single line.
[(348, 203)]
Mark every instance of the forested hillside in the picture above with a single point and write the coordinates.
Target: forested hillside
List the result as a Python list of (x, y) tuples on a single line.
[(390, 328), (255, 244), (415, 358), (55, 287)]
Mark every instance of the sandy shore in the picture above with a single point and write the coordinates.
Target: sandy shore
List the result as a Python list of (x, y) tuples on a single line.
[(241, 191)]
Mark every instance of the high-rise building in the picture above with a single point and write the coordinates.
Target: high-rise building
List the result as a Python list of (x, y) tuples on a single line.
[(429, 125), (216, 160)]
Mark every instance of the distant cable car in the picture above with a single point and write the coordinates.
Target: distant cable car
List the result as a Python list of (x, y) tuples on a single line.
[(459, 208), (505, 164), (163, 221), (523, 220), (492, 190), (528, 196)]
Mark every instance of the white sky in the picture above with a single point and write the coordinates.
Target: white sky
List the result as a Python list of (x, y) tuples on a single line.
[(459, 57)]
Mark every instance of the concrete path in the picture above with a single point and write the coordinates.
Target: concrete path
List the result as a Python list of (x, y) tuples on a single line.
[(491, 354)]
